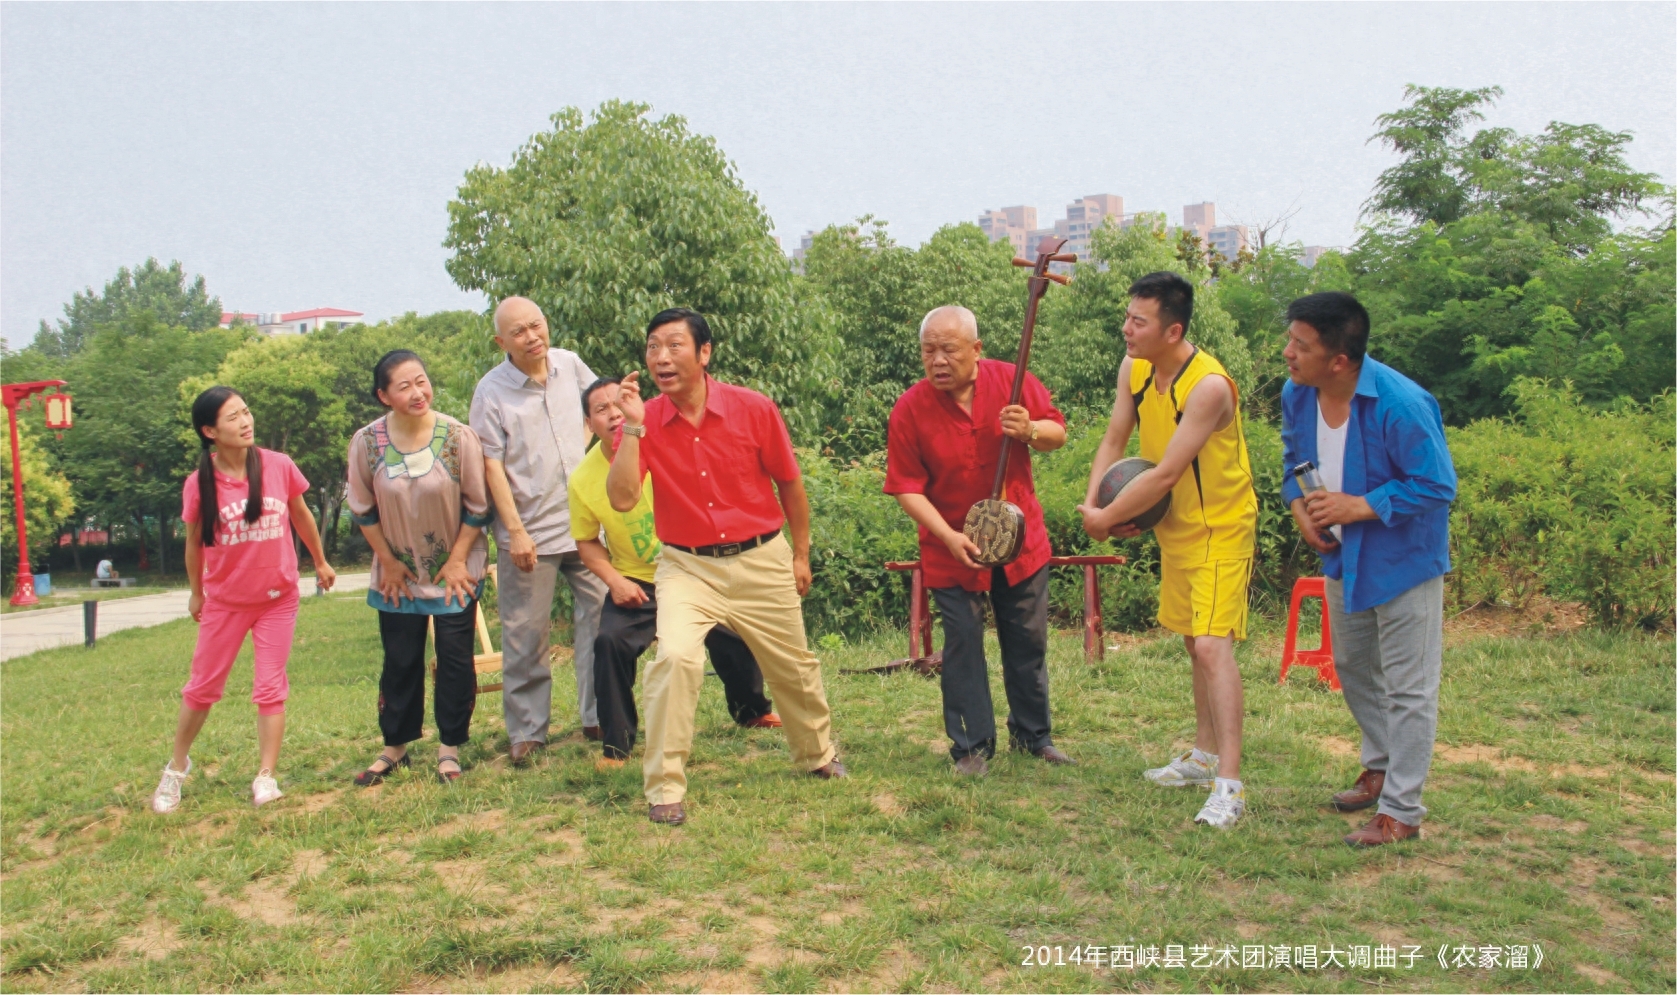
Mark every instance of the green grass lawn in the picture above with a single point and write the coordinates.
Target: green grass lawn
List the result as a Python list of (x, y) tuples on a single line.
[(1551, 825)]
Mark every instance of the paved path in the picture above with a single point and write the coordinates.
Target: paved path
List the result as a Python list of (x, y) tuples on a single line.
[(27, 632)]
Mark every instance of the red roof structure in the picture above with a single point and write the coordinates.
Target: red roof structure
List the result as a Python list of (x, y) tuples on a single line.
[(320, 312)]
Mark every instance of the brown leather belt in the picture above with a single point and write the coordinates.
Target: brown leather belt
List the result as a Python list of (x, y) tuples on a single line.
[(725, 549)]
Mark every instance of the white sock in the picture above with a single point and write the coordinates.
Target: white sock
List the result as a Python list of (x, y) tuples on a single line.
[(1229, 786), (1209, 759)]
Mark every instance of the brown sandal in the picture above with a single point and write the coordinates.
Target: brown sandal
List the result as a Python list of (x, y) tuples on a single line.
[(376, 774), (449, 776)]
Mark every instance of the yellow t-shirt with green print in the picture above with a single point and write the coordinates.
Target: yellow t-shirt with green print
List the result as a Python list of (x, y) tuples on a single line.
[(629, 535)]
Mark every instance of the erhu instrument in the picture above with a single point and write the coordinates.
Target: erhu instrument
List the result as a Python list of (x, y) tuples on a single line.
[(997, 526)]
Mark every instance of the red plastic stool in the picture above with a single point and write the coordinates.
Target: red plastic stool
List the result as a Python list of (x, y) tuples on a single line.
[(1320, 658)]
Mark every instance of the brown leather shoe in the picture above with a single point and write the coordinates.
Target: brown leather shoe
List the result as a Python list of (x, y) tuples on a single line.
[(832, 770), (972, 765), (667, 815), (591, 733), (1053, 755), (522, 753), (1361, 795), (1383, 829)]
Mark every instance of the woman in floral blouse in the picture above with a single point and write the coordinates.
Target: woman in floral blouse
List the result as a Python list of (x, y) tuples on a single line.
[(416, 489)]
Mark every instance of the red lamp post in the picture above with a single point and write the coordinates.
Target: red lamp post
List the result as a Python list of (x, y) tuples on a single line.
[(58, 418)]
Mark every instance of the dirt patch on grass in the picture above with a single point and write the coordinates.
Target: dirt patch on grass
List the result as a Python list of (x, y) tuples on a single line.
[(1605, 978), (1339, 746), (1551, 823), (1541, 616), (263, 900), (887, 804), (1503, 764), (152, 939), (310, 804)]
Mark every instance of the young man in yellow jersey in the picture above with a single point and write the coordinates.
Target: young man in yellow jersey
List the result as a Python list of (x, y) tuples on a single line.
[(1188, 411), (629, 617)]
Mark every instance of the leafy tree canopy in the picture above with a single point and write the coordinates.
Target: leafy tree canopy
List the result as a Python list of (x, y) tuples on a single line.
[(605, 223), (150, 288)]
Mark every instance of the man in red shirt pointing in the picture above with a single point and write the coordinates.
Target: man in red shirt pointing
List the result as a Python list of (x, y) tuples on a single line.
[(944, 442), (717, 454)]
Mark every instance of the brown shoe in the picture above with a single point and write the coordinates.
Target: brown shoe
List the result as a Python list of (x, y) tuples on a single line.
[(608, 763), (1362, 794), (522, 753), (1053, 755), (1383, 829), (832, 770), (591, 733), (667, 815), (769, 721), (972, 765)]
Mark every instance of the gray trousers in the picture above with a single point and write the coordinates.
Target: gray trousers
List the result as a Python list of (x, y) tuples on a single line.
[(1022, 629), (1389, 659), (526, 601)]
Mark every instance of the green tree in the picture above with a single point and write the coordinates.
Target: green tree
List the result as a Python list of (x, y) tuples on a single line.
[(47, 500), (871, 294), (150, 288), (607, 222), (124, 458)]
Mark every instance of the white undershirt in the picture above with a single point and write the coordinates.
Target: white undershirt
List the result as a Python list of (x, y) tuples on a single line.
[(1330, 456)]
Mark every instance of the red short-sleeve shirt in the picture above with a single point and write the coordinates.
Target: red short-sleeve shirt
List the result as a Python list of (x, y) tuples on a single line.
[(715, 483), (936, 449)]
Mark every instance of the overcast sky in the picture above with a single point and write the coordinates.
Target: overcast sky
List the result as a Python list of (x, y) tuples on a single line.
[(303, 155)]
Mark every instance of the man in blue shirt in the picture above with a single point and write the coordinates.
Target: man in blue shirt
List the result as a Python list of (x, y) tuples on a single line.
[(1382, 526)]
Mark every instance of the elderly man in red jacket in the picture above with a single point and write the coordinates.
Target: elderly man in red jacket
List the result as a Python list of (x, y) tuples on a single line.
[(944, 442)]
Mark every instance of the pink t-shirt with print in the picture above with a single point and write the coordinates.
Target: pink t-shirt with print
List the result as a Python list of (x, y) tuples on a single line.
[(251, 563)]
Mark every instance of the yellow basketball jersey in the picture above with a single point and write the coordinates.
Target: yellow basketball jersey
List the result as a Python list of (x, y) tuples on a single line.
[(1213, 508)]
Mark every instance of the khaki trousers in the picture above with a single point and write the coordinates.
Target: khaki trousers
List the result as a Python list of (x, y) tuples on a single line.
[(753, 594)]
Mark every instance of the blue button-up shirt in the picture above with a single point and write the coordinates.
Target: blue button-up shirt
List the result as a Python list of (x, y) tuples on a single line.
[(1396, 458)]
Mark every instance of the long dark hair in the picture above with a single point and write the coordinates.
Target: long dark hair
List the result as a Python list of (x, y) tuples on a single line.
[(206, 411)]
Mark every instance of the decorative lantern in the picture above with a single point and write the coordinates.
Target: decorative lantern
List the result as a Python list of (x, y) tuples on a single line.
[(59, 416)]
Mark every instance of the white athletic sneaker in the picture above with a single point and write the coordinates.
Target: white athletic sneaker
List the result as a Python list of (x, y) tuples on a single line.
[(1183, 772), (265, 789), (167, 797), (1224, 808)]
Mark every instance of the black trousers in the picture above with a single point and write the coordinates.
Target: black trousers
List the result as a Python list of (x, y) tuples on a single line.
[(1022, 628), (625, 633), (401, 688)]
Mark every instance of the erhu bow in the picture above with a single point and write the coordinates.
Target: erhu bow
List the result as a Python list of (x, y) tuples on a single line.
[(997, 526)]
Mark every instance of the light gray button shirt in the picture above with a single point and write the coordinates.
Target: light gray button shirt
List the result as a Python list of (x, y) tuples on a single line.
[(538, 432)]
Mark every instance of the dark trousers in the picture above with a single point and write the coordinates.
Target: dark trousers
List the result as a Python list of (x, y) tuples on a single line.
[(401, 688), (625, 633), (1022, 627)]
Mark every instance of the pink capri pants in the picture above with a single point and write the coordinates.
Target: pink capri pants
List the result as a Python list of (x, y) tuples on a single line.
[(221, 634)]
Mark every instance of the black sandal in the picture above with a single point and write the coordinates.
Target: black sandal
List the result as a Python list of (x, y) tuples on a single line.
[(376, 775), (449, 777)]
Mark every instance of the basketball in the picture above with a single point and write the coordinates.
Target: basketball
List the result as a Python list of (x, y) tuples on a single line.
[(1117, 477)]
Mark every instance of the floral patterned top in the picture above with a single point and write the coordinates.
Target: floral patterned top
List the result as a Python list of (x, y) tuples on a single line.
[(420, 500)]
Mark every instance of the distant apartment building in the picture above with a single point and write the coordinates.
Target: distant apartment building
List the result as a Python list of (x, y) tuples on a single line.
[(294, 322), (1200, 218), (1313, 254), (1228, 240), (1015, 224)]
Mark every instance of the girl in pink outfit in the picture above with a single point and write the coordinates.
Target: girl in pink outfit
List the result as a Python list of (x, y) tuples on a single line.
[(240, 506)]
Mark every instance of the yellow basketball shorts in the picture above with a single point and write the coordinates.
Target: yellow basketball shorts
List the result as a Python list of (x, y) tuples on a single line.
[(1205, 600)]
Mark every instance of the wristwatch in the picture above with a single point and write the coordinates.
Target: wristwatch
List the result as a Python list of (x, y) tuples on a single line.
[(635, 430)]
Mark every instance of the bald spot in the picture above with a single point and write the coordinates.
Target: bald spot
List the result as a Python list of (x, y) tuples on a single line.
[(950, 319), (516, 308)]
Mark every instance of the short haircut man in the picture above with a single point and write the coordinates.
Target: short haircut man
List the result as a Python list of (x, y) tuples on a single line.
[(1381, 523), (525, 412), (1186, 408), (725, 481)]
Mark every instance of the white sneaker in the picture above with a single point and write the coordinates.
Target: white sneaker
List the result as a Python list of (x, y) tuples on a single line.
[(265, 789), (1183, 772), (1224, 808), (167, 797)]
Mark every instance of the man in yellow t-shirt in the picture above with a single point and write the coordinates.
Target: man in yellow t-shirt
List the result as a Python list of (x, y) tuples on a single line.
[(629, 618), (1188, 411)]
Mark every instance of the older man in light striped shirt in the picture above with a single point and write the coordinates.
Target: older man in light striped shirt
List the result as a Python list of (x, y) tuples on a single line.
[(525, 411)]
